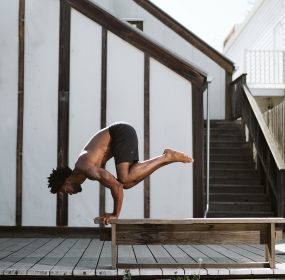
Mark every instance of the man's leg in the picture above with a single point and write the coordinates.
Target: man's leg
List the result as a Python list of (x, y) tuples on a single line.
[(131, 174)]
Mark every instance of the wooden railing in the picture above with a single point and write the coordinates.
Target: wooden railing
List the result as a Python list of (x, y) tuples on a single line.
[(265, 68), (275, 120), (268, 160)]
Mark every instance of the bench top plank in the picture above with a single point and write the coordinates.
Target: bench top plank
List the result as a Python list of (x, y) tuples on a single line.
[(196, 221)]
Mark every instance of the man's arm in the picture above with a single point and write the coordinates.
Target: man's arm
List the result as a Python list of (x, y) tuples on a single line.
[(109, 181)]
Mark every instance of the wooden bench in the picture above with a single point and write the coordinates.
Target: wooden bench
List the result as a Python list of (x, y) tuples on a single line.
[(197, 231)]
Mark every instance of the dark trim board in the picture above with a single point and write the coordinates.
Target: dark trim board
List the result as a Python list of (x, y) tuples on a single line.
[(102, 201), (39, 231), (146, 134), (186, 34), (198, 152), (63, 106), (19, 156)]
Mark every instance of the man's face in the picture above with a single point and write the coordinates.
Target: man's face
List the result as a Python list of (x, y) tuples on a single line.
[(71, 188)]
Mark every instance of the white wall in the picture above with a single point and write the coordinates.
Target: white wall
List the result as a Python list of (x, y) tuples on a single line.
[(40, 110), (171, 192), (125, 9), (8, 109), (125, 95), (170, 113), (85, 109), (258, 32)]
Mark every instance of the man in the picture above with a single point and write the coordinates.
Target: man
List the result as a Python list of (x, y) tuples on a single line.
[(120, 141)]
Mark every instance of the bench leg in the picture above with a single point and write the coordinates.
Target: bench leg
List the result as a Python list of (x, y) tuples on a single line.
[(114, 247), (270, 246)]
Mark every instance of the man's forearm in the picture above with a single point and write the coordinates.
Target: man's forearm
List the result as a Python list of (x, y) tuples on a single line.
[(118, 196), (109, 181)]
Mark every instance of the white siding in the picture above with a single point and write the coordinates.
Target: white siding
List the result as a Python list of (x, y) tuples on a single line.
[(40, 110), (125, 93), (85, 109), (8, 109), (257, 32), (125, 9), (171, 192)]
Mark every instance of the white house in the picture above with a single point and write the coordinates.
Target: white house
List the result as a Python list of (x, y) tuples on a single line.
[(257, 47), (71, 67)]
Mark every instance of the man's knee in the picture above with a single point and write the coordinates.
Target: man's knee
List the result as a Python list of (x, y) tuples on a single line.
[(126, 181)]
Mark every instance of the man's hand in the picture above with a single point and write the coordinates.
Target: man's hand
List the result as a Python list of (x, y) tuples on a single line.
[(108, 217)]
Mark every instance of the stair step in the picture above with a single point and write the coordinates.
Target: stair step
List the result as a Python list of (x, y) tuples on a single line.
[(234, 173), (234, 181), (240, 214), (238, 197), (225, 137), (240, 206), (231, 165), (229, 144), (230, 151), (236, 189), (226, 157)]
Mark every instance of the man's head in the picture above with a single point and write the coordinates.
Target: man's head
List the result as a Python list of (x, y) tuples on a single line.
[(60, 181)]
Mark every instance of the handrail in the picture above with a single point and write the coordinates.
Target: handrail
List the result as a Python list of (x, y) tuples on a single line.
[(269, 163), (265, 130)]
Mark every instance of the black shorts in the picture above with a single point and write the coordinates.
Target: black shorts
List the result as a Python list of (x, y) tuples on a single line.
[(124, 143)]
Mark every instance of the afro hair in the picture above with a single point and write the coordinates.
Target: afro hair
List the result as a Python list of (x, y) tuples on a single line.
[(57, 178)]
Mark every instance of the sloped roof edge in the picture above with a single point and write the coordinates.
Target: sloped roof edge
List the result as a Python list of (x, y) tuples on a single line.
[(139, 39), (193, 39)]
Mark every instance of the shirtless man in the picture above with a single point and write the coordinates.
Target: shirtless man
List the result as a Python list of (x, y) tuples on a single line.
[(119, 140)]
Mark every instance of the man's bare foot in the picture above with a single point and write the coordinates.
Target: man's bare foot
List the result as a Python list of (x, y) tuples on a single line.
[(175, 156)]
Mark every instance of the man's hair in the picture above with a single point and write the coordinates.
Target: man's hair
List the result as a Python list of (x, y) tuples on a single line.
[(57, 178)]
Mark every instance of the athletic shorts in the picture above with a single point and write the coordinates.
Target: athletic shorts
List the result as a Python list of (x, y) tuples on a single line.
[(124, 143)]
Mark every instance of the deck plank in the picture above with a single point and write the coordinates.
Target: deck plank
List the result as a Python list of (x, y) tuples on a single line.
[(88, 262), (241, 251), (68, 262), (45, 265), (22, 267), (126, 255), (162, 256), (4, 240), (144, 256), (86, 257), (229, 256), (20, 254), (104, 267), (13, 245)]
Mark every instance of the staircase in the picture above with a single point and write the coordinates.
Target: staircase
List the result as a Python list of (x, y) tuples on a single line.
[(235, 188)]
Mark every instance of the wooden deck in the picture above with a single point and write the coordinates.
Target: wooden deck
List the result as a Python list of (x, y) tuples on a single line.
[(84, 257)]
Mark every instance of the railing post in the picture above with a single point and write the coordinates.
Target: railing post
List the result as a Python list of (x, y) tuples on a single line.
[(281, 192)]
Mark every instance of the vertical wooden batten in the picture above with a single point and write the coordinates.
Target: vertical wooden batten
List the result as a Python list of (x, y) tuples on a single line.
[(146, 134), (198, 152), (63, 106), (102, 201), (19, 156), (228, 95)]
